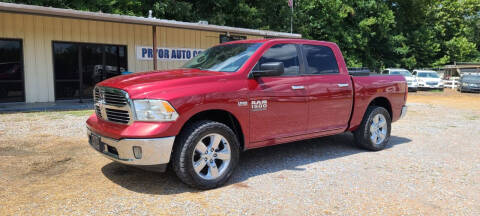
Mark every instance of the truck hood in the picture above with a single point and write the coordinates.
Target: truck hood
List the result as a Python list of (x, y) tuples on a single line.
[(141, 85)]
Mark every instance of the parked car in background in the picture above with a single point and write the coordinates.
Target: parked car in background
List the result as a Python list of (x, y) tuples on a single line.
[(469, 83), (428, 79), (411, 80)]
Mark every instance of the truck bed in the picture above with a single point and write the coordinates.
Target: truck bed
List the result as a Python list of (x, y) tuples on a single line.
[(366, 88)]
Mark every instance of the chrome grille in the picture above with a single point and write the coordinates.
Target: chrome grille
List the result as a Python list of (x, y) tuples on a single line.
[(117, 98), (98, 111), (121, 116), (112, 105)]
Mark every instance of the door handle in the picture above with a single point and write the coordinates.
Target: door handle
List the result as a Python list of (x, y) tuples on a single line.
[(342, 85), (295, 87)]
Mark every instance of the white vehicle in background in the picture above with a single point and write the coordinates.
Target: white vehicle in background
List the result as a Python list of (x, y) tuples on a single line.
[(411, 80), (428, 79)]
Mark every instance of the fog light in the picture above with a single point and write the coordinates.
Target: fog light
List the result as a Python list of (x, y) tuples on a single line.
[(137, 152)]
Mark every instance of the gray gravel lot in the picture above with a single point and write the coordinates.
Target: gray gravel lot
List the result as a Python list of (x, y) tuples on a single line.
[(431, 167)]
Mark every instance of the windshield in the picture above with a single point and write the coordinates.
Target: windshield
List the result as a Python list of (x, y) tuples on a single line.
[(224, 58), (470, 78), (428, 75), (402, 72)]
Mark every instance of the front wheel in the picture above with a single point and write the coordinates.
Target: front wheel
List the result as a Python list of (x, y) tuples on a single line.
[(374, 131), (206, 154)]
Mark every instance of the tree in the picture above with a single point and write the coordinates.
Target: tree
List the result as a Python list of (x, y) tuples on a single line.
[(371, 33)]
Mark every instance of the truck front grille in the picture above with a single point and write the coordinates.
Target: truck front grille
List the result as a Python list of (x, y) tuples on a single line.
[(120, 116), (112, 105)]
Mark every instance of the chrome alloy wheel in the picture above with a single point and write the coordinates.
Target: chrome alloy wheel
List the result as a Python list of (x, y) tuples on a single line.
[(211, 156), (378, 129)]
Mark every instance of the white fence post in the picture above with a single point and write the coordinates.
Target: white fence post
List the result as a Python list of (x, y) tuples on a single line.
[(451, 83)]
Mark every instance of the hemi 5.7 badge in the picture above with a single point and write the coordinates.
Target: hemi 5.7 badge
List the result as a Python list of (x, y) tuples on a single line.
[(259, 105)]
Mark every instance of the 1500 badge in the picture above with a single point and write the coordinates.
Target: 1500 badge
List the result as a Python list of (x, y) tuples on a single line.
[(259, 105)]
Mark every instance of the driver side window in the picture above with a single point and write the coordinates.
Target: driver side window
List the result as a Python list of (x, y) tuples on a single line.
[(286, 53)]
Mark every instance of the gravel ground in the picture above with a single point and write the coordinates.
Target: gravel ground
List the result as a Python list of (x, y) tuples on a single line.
[(431, 167)]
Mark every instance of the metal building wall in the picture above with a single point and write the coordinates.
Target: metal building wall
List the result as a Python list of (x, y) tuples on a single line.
[(37, 33)]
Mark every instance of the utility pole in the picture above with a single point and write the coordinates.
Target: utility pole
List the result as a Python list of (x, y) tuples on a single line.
[(290, 4)]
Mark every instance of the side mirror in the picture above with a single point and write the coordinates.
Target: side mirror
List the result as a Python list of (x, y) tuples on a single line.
[(269, 69)]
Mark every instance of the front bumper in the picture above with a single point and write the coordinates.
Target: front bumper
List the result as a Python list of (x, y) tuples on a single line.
[(412, 85), (403, 113), (427, 86), (154, 152), (470, 89)]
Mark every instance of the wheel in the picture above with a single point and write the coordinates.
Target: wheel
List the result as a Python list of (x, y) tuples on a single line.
[(206, 154), (374, 131)]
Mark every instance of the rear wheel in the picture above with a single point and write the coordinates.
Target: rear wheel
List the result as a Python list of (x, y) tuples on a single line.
[(206, 154), (374, 131)]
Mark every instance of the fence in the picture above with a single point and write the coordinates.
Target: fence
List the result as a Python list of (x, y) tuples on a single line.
[(451, 83)]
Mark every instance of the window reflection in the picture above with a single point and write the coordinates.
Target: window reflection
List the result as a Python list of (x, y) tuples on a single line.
[(11, 71), (96, 62)]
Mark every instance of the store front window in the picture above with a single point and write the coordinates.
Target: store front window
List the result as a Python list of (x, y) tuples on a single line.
[(11, 71), (79, 66), (227, 38)]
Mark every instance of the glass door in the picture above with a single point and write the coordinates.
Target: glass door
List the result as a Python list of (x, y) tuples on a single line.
[(80, 66), (12, 87)]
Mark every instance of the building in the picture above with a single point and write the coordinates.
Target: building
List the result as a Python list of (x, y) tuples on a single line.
[(49, 54), (459, 68)]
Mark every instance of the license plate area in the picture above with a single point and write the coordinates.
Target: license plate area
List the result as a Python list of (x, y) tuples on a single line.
[(96, 142)]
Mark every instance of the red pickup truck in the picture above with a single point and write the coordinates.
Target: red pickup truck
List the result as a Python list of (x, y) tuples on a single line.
[(237, 96)]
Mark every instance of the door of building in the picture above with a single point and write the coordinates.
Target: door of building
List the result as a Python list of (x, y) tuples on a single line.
[(12, 88), (79, 66)]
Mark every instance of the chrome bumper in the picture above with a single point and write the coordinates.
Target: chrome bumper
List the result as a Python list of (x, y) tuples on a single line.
[(403, 112), (154, 151)]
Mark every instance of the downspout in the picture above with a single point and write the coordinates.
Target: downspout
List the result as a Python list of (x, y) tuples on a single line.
[(154, 31)]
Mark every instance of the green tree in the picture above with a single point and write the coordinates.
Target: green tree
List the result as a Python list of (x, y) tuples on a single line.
[(371, 33)]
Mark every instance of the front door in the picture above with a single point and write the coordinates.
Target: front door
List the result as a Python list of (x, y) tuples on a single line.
[(278, 107)]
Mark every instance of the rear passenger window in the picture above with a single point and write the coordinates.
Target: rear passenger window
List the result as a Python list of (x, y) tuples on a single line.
[(320, 59), (286, 53)]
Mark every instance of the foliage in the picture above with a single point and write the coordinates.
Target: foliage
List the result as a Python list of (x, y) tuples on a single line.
[(371, 33)]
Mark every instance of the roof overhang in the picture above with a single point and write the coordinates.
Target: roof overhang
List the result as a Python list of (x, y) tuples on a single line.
[(69, 13)]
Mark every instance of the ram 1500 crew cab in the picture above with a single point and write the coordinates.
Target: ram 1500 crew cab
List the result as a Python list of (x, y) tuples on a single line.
[(237, 96)]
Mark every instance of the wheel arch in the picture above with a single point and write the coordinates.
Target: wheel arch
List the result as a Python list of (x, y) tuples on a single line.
[(382, 102), (222, 116)]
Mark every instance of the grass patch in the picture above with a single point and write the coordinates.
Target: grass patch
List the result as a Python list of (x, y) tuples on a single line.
[(78, 112), (473, 118), (59, 114)]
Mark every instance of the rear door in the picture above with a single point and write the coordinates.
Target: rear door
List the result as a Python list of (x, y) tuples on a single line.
[(278, 107), (330, 93)]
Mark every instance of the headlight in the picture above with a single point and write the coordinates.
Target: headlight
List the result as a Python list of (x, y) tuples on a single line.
[(154, 110), (464, 84)]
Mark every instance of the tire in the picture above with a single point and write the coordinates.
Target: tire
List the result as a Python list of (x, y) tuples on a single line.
[(187, 153), (364, 136)]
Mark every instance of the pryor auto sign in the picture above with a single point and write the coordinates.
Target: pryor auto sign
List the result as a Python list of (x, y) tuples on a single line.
[(167, 54)]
